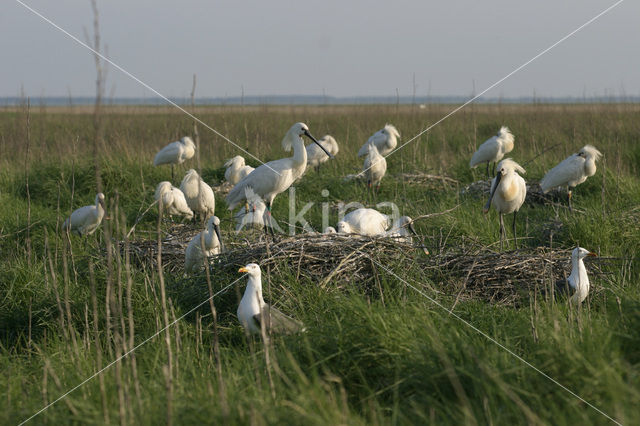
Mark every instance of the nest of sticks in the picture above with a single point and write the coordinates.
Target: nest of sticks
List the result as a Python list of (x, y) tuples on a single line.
[(337, 261)]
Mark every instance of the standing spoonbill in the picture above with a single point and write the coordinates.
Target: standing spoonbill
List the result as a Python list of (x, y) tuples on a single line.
[(173, 201), (316, 156), (198, 194), (276, 176), (374, 168), (236, 170), (209, 239), (572, 171), (363, 221), (253, 311), (385, 139), (578, 280), (493, 149), (85, 220), (176, 153), (508, 191)]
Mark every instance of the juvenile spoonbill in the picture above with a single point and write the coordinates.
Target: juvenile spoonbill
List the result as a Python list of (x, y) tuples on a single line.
[(85, 220), (276, 176), (330, 230), (385, 139), (236, 170), (578, 280), (198, 194), (253, 311), (572, 171), (316, 156), (173, 201), (508, 191), (374, 168), (252, 214), (209, 239), (493, 149), (364, 222), (402, 230), (176, 153)]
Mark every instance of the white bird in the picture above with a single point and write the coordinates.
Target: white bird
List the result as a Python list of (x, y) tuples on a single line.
[(330, 230), (402, 229), (236, 170), (572, 171), (176, 153), (493, 149), (210, 239), (374, 168), (276, 176), (173, 201), (364, 222), (253, 311), (252, 214), (316, 156), (198, 194), (578, 279), (508, 191), (85, 220), (385, 140)]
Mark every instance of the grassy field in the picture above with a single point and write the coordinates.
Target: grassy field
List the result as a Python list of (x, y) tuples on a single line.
[(389, 356)]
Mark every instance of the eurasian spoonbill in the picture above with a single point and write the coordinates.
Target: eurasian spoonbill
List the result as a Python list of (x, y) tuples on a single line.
[(508, 191), (236, 170), (253, 311), (252, 214), (374, 168), (276, 176), (363, 221), (316, 156), (85, 220), (198, 194), (493, 149), (385, 140), (176, 153), (209, 239), (173, 201), (572, 171)]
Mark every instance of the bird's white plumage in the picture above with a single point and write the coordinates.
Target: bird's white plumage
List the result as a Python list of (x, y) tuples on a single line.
[(573, 170), (316, 156), (401, 230), (253, 309), (375, 166), (385, 140), (363, 221), (494, 148), (254, 217), (85, 220), (274, 177), (194, 255), (173, 201), (198, 194), (176, 152), (510, 193), (236, 170), (329, 230), (578, 279)]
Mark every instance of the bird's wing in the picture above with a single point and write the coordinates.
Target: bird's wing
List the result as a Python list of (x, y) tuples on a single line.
[(277, 322), (486, 152), (180, 203), (569, 169), (364, 150), (169, 154), (263, 179)]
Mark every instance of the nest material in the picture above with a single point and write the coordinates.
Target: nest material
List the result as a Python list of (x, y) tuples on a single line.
[(339, 261)]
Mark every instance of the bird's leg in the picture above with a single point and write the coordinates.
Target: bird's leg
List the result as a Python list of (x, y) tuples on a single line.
[(515, 237), (488, 170), (501, 231), (317, 168), (172, 175), (570, 208), (269, 219)]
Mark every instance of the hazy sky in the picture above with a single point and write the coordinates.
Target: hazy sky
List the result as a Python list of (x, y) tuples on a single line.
[(341, 47)]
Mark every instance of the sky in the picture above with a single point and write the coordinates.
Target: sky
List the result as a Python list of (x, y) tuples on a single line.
[(340, 48)]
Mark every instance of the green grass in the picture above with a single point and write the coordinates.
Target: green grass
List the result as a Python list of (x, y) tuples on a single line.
[(370, 356)]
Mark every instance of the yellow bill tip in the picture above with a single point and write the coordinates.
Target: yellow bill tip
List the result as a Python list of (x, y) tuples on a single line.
[(243, 269)]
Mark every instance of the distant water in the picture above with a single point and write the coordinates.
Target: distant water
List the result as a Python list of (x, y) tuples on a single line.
[(317, 100)]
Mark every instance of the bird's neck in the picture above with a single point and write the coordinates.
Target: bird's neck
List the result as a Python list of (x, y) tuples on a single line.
[(254, 291), (590, 166), (579, 275), (99, 209), (299, 152)]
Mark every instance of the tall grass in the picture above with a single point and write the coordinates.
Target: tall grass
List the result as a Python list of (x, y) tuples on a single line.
[(383, 356)]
